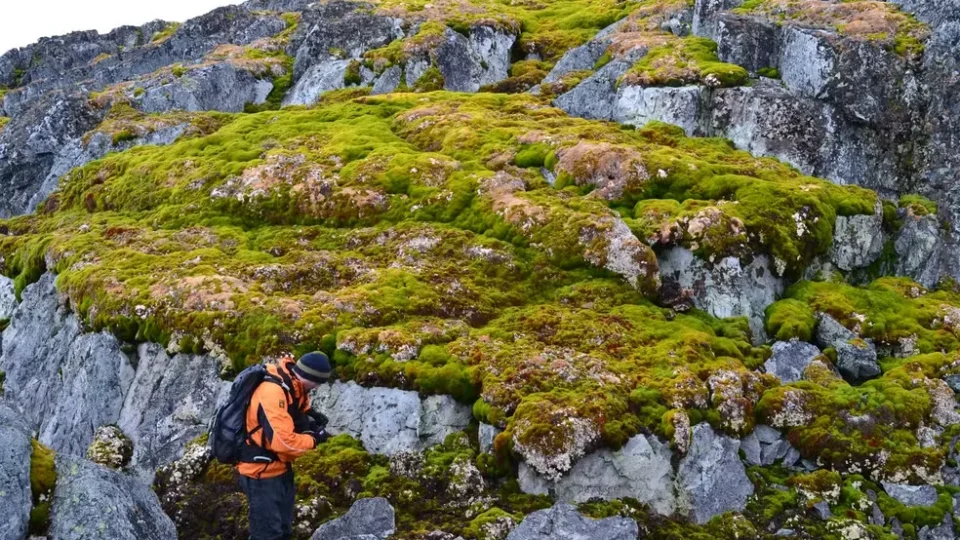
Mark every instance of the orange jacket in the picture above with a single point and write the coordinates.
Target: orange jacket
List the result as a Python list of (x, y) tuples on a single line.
[(268, 411)]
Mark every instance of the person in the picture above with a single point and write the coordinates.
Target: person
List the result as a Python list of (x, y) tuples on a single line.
[(281, 427)]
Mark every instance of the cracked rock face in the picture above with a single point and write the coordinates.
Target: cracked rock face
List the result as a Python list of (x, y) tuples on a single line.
[(858, 240), (640, 470), (91, 501), (69, 383), (563, 521), (367, 519), (724, 289), (711, 477), (389, 421), (15, 495), (911, 495)]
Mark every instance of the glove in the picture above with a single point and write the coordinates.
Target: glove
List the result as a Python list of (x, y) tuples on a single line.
[(319, 437), (318, 417)]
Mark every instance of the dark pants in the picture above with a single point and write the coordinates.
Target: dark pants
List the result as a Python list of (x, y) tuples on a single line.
[(271, 506)]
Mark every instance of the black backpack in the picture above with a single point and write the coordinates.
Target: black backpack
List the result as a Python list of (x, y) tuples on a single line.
[(228, 434)]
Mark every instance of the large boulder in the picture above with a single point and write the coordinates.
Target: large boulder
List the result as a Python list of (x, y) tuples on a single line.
[(15, 495), (790, 359), (93, 502), (638, 105), (367, 519), (319, 78), (595, 96), (213, 87), (563, 522), (919, 248), (711, 477), (641, 470), (389, 421), (724, 289), (469, 62)]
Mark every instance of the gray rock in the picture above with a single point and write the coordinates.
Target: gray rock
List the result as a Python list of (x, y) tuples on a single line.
[(583, 57), (790, 359), (953, 381), (876, 516), (214, 87), (641, 470), (830, 332), (924, 495), (67, 383), (944, 531), (389, 421), (321, 77), (706, 14), (770, 453), (94, 502), (8, 299), (766, 434), (168, 404), (724, 289), (467, 63), (388, 81), (595, 96), (857, 360), (750, 446), (858, 240), (711, 476), (563, 522), (485, 435), (15, 495), (919, 249), (441, 416), (822, 510), (367, 519), (638, 105)]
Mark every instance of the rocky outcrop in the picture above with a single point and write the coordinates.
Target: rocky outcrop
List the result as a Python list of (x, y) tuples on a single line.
[(8, 298), (68, 383), (93, 502), (169, 403), (389, 421), (919, 247), (469, 62), (766, 446), (15, 494), (319, 78), (790, 359), (562, 521), (711, 476), (641, 470), (367, 519), (40, 145), (88, 61), (724, 289), (215, 87)]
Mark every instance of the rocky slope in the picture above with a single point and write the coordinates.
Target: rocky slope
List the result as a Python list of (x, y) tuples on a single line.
[(586, 268)]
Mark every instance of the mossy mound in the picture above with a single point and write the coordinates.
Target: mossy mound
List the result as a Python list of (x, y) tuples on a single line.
[(43, 478), (867, 20), (684, 61), (379, 226)]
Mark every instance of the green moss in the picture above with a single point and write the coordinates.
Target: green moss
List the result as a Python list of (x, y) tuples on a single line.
[(178, 70), (351, 76), (769, 72), (690, 60), (918, 205), (43, 478), (789, 319), (165, 34), (122, 137), (430, 81), (478, 526)]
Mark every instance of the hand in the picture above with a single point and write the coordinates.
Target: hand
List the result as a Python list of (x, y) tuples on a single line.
[(319, 436), (318, 417)]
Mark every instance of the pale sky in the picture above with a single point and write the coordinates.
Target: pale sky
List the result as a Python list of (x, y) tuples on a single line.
[(24, 21)]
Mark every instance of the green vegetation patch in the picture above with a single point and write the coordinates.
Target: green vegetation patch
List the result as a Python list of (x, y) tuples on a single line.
[(163, 35), (43, 478), (685, 61)]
